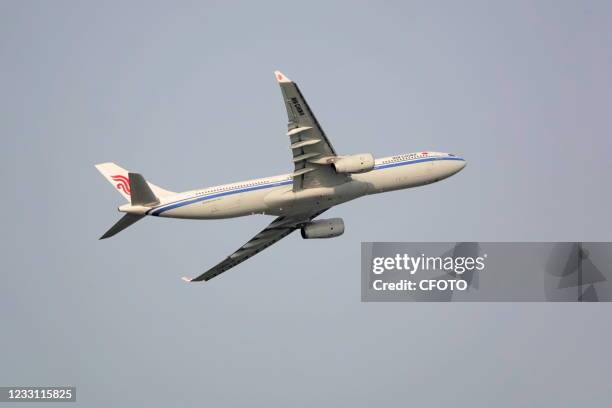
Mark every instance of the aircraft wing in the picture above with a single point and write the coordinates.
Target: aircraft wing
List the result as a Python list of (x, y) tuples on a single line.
[(312, 150), (277, 230)]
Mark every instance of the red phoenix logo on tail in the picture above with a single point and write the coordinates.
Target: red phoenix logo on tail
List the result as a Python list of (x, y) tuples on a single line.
[(123, 183)]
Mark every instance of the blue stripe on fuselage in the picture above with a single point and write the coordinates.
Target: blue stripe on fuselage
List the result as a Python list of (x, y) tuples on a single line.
[(191, 200), (404, 163), (187, 201)]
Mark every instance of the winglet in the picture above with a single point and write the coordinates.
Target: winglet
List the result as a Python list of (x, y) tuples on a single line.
[(281, 78), (186, 279)]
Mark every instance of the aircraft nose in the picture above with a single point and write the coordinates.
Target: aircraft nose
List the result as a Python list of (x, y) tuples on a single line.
[(457, 164), (461, 164)]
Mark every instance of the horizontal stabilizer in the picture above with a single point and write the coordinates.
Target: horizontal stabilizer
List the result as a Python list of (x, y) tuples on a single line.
[(123, 223), (141, 193)]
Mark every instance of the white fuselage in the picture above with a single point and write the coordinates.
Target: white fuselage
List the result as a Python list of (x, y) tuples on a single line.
[(275, 195)]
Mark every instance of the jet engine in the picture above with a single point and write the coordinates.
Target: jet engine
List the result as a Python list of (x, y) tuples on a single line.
[(358, 163), (330, 228)]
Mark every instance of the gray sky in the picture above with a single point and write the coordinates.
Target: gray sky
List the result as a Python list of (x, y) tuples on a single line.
[(184, 93)]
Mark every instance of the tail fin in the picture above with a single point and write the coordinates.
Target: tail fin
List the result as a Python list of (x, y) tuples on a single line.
[(140, 195), (120, 179), (135, 189)]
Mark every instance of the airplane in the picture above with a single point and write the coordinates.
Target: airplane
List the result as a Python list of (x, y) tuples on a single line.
[(321, 179)]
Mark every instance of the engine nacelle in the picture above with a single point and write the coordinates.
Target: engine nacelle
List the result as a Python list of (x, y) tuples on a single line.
[(330, 228), (357, 163)]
